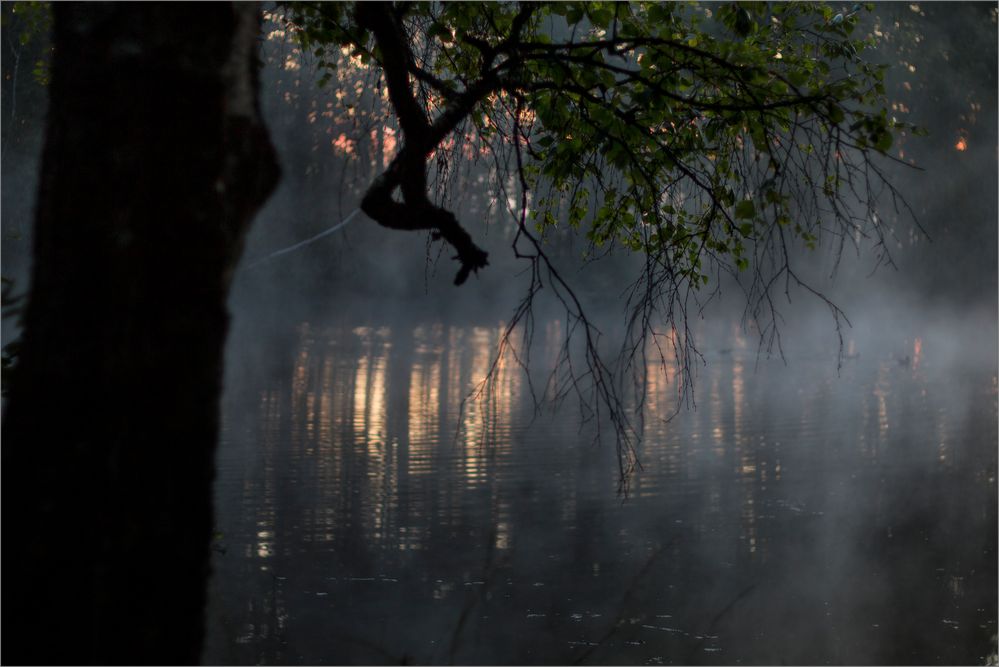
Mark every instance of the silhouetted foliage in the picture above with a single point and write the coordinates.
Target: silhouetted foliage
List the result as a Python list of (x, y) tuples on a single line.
[(713, 140)]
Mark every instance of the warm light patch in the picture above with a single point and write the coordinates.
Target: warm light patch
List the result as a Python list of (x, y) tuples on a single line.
[(390, 143), (344, 145), (527, 117), (962, 144)]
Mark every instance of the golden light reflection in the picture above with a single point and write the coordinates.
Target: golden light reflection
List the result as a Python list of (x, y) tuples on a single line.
[(961, 145), (371, 437), (503, 535), (881, 389), (455, 387), (424, 408), (943, 439), (749, 526), (300, 396), (361, 398), (374, 425), (715, 403), (475, 418), (738, 401), (660, 377), (487, 415), (325, 434), (310, 417), (264, 546)]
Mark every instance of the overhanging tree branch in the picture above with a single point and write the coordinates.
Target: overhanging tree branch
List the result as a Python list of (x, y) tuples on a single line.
[(407, 171), (709, 151)]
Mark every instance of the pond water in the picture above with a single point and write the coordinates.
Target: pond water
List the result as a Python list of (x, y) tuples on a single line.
[(798, 515)]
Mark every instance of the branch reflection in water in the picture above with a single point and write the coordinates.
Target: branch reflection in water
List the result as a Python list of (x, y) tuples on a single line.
[(796, 515)]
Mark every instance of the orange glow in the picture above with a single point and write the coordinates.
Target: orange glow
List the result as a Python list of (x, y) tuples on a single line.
[(527, 117), (917, 352), (390, 144), (344, 145), (962, 144)]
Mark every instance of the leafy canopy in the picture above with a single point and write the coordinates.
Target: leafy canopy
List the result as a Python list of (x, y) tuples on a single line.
[(696, 134), (709, 138)]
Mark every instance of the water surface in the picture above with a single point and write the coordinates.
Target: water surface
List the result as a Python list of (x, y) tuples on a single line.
[(799, 514)]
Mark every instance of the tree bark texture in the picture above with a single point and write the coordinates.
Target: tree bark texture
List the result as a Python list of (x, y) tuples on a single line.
[(155, 162)]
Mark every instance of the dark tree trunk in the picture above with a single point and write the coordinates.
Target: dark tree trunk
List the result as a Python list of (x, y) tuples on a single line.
[(155, 161)]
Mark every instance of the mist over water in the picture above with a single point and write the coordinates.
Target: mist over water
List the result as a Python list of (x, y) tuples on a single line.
[(797, 515), (808, 504)]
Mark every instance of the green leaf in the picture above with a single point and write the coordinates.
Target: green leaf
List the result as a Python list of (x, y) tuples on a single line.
[(836, 114), (745, 209), (683, 126), (797, 78), (883, 142)]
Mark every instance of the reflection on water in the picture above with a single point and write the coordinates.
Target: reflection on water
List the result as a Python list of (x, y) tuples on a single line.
[(795, 516)]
